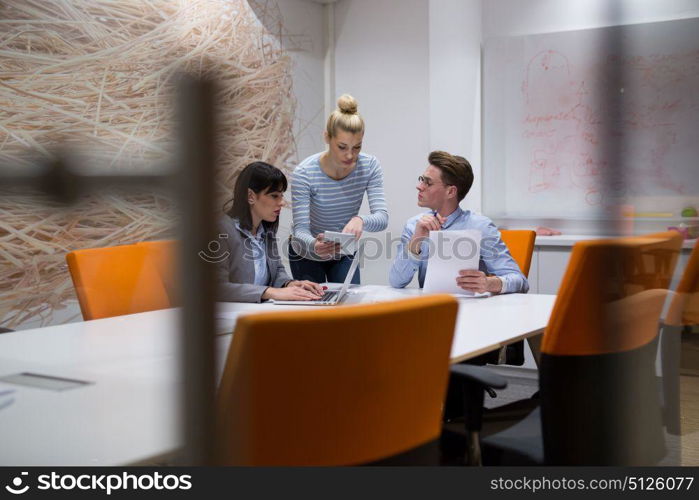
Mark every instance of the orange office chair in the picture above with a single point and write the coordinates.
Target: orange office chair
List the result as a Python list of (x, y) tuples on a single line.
[(599, 395), (324, 387), (520, 243), (163, 253), (113, 281)]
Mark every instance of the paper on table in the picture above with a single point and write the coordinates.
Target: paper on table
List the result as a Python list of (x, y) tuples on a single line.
[(471, 295), (450, 252)]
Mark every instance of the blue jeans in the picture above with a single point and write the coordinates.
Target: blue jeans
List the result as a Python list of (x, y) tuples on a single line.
[(320, 271)]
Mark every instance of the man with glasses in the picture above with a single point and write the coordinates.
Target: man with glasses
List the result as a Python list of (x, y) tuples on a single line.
[(445, 182)]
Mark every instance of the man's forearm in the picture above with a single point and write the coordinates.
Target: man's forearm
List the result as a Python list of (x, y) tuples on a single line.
[(415, 244)]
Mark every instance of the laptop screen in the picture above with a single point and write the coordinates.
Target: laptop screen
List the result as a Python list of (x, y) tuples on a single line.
[(352, 269)]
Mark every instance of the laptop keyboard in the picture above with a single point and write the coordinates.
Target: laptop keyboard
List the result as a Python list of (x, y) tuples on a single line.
[(327, 296)]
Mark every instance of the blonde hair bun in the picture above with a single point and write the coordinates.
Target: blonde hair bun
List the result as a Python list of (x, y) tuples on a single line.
[(345, 117), (347, 104)]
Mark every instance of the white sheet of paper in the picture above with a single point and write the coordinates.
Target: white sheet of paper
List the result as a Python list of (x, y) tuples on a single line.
[(451, 251)]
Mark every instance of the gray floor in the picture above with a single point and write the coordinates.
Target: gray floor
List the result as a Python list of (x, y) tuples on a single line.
[(521, 384)]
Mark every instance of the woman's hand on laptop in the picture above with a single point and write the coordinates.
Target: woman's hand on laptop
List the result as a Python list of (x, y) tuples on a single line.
[(476, 281), (308, 285), (289, 293)]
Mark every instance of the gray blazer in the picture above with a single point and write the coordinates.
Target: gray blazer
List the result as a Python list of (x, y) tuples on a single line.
[(236, 270)]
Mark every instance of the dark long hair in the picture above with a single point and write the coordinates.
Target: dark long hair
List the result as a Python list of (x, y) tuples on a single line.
[(260, 177)]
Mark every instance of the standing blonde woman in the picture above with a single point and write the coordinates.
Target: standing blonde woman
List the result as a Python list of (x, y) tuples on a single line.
[(327, 191)]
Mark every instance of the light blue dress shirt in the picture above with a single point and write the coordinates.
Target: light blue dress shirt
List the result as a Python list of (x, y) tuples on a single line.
[(259, 253), (495, 258)]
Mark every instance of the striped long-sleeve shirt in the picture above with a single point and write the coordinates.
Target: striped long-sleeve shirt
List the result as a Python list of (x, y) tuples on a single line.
[(321, 203)]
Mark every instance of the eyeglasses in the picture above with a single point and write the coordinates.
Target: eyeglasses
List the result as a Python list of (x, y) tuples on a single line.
[(429, 182)]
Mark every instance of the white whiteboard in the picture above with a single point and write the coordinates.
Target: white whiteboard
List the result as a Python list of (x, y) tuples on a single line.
[(544, 119)]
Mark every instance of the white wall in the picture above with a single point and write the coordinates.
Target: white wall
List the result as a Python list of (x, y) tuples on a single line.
[(304, 28), (414, 66), (455, 73), (304, 24), (382, 58)]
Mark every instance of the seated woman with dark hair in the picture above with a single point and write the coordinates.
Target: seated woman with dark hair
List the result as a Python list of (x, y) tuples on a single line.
[(249, 265)]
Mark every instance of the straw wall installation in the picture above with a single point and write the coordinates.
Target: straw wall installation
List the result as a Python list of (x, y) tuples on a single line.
[(97, 76)]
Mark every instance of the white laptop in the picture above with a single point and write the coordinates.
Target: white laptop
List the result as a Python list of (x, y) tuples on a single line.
[(331, 297)]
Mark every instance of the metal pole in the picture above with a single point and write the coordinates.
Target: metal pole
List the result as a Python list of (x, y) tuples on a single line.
[(197, 163)]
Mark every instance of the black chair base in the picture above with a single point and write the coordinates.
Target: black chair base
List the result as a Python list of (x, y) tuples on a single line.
[(519, 444)]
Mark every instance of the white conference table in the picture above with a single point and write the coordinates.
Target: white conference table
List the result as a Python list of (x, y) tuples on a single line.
[(128, 412), (483, 323)]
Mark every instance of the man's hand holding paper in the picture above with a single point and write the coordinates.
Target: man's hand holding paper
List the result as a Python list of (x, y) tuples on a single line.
[(473, 280)]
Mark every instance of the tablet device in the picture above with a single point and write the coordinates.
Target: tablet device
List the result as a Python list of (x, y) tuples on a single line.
[(347, 241)]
